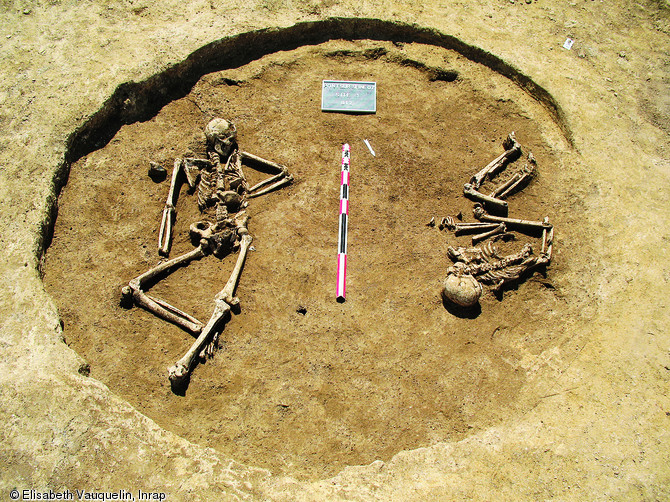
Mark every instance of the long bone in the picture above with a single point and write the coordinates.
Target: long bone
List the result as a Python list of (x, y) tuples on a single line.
[(504, 186), (547, 242), (512, 148), (518, 180), (281, 178), (470, 191), (460, 229), (169, 212), (480, 214), (450, 223), (500, 229), (135, 290), (224, 300)]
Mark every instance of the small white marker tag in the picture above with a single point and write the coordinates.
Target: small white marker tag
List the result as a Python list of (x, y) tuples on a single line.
[(367, 143), (568, 43)]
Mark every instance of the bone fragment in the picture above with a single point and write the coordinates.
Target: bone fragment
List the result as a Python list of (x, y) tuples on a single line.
[(485, 235), (480, 214), (431, 223), (470, 191), (165, 234)]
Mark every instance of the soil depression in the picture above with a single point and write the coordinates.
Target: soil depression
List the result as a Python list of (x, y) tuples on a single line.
[(301, 384)]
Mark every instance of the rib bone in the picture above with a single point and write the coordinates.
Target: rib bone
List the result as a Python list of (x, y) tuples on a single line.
[(512, 148), (165, 234)]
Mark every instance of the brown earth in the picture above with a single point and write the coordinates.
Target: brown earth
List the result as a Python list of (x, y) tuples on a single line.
[(303, 385)]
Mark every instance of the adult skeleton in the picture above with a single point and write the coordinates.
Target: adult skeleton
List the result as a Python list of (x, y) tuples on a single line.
[(221, 184), (476, 265)]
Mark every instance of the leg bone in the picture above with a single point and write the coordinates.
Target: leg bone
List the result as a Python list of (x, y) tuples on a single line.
[(223, 302), (526, 173), (180, 371), (470, 191), (135, 291), (463, 229), (512, 148), (480, 214)]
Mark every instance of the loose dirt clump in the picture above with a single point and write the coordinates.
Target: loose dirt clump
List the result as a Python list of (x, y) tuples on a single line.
[(301, 384)]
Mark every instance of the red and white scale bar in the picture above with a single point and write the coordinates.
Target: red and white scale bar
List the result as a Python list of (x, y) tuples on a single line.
[(342, 235)]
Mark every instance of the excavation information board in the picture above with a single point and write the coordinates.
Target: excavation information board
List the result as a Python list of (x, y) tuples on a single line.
[(344, 96)]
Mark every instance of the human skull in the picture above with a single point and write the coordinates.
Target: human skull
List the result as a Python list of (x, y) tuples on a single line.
[(461, 289), (221, 135)]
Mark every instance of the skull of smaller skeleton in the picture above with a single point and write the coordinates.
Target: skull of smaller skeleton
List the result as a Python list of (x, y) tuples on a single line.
[(461, 288), (221, 136)]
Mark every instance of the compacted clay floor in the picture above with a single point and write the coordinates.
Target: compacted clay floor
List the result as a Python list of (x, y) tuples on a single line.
[(301, 384)]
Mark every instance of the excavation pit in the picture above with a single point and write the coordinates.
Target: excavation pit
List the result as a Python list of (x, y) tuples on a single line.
[(301, 384)]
